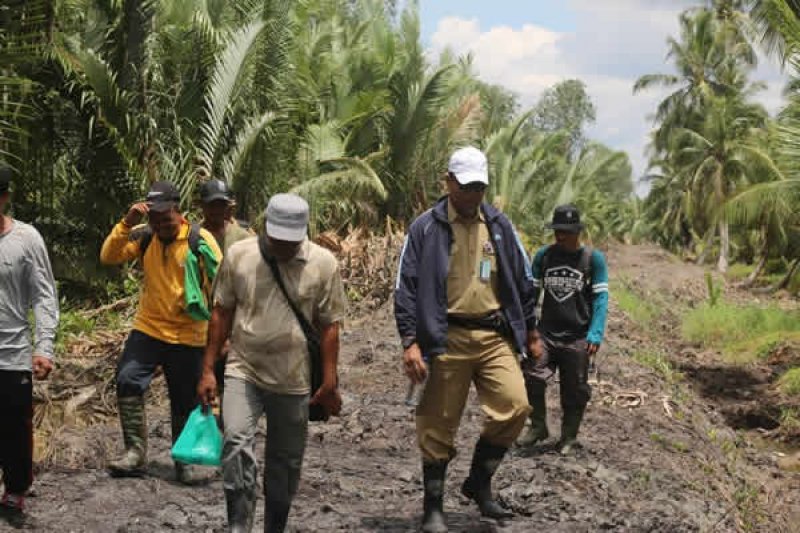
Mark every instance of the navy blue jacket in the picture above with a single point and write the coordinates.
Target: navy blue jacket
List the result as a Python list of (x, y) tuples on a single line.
[(420, 300)]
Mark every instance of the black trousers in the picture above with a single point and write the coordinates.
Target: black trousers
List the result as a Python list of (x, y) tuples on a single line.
[(16, 428), (571, 359), (182, 368)]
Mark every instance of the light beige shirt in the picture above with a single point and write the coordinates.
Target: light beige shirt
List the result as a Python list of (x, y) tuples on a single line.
[(467, 294), (268, 347)]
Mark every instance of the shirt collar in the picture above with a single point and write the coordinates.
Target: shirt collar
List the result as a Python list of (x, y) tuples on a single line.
[(453, 216), (303, 253), (183, 233)]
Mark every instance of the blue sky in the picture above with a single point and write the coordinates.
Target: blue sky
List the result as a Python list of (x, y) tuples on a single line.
[(528, 46)]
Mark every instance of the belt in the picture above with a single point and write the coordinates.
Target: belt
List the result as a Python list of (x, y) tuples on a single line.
[(495, 321)]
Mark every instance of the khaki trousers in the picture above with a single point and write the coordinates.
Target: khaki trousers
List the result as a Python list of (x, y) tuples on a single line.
[(473, 356)]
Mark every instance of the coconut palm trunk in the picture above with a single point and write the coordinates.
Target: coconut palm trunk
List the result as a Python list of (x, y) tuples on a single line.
[(724, 246)]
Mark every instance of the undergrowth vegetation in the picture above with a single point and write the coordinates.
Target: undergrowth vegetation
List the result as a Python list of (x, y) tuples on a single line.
[(739, 332)]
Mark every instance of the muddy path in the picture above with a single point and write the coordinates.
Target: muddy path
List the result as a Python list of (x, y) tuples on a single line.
[(658, 454)]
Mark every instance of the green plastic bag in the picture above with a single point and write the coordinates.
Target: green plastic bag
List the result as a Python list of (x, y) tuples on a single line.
[(200, 442)]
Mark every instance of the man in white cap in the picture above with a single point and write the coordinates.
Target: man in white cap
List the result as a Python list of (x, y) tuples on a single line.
[(269, 367), (464, 307)]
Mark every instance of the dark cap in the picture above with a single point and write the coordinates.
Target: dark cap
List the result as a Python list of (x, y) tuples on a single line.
[(5, 178), (214, 190), (163, 196), (566, 218)]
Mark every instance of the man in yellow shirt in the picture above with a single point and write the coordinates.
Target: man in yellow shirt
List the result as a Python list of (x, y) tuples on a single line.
[(163, 332)]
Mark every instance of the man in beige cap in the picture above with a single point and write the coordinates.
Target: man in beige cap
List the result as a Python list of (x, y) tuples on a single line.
[(269, 368), (465, 309)]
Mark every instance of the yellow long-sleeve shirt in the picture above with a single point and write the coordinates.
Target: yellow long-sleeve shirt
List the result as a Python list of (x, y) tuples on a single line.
[(162, 304)]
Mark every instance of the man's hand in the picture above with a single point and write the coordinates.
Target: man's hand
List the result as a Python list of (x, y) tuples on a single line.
[(42, 366), (414, 364), (207, 388), (592, 348), (535, 345), (136, 213), (329, 398)]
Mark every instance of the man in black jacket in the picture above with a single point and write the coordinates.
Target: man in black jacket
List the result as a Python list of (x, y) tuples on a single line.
[(464, 307)]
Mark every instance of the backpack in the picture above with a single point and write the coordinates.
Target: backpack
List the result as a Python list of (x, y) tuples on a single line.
[(145, 236), (584, 264)]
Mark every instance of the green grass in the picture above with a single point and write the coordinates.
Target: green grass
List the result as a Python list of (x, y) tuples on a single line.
[(741, 333), (658, 363), (760, 346), (667, 444), (638, 309), (738, 271), (72, 323), (789, 383)]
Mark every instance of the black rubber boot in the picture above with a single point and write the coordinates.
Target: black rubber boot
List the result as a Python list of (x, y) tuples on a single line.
[(276, 516), (570, 425), (434, 520), (537, 431), (478, 486)]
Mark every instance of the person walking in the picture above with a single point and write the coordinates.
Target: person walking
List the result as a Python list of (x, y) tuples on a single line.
[(263, 284), (26, 284), (179, 260), (217, 203), (464, 307), (573, 279)]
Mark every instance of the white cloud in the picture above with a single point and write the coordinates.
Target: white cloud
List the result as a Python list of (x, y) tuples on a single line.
[(614, 42)]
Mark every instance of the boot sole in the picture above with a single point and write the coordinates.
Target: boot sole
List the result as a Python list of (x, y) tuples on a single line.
[(121, 473), (469, 493)]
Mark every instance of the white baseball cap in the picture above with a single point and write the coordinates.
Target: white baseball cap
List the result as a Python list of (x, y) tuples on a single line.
[(469, 165), (287, 218)]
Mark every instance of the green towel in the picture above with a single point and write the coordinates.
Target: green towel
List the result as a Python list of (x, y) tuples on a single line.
[(196, 305)]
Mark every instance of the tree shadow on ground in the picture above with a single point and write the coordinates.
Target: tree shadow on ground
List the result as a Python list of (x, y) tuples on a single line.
[(740, 392), (725, 382)]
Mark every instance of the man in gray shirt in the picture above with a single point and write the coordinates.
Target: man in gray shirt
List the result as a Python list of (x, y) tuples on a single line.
[(26, 283)]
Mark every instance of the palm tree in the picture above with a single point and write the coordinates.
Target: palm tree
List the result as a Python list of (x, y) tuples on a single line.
[(721, 157)]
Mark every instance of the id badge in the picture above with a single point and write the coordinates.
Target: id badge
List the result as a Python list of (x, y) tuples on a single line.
[(485, 270)]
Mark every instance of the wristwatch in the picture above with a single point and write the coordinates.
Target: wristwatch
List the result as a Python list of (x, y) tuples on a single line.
[(408, 342)]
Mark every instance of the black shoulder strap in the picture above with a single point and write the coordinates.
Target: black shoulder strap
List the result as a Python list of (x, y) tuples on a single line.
[(585, 264), (145, 236), (308, 329), (195, 238), (546, 259)]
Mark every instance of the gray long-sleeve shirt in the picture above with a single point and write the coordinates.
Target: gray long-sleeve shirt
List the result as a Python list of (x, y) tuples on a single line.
[(26, 283)]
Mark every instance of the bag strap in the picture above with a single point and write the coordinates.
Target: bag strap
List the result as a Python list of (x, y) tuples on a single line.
[(585, 264), (195, 238), (546, 259), (308, 329), (145, 237)]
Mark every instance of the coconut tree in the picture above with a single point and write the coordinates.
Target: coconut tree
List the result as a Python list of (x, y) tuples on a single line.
[(721, 157)]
